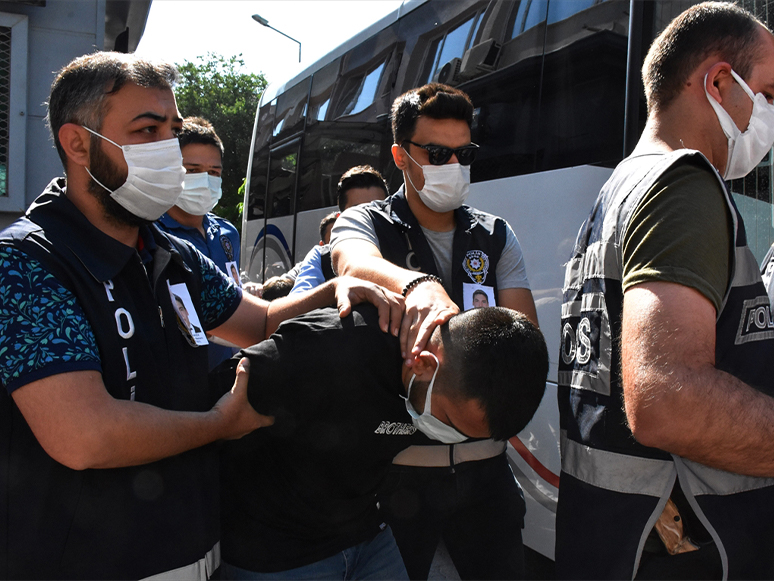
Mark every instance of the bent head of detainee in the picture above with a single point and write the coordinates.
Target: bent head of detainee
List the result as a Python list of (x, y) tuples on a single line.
[(482, 375)]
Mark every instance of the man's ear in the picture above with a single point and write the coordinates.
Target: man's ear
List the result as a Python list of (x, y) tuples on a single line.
[(75, 142), (399, 156), (424, 366), (719, 80)]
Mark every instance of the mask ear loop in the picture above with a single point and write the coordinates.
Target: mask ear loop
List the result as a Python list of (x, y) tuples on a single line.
[(407, 173), (745, 87), (428, 399), (103, 137)]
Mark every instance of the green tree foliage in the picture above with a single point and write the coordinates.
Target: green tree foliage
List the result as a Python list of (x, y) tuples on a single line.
[(216, 88)]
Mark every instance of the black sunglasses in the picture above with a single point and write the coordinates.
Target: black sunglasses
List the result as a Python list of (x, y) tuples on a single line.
[(439, 155)]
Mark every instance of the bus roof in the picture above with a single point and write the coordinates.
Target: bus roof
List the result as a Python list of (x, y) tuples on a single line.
[(274, 89)]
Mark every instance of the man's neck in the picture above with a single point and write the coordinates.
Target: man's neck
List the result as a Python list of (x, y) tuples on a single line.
[(679, 127), (78, 194), (427, 218), (186, 219)]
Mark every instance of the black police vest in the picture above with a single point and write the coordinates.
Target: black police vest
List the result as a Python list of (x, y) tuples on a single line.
[(111, 523), (479, 240), (613, 489)]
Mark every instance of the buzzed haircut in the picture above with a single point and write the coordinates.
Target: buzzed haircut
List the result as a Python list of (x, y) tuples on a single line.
[(327, 221), (80, 89), (436, 101), (361, 176), (499, 358), (199, 130), (710, 28), (480, 292)]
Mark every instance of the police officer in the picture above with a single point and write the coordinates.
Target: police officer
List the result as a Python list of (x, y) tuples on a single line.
[(425, 243), (665, 372)]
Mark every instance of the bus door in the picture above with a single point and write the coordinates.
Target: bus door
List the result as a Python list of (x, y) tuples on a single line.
[(273, 252)]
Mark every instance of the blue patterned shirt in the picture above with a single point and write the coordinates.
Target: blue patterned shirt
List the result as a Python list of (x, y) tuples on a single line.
[(43, 330)]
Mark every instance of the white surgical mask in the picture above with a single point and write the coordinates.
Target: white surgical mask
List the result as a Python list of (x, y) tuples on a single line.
[(745, 149), (154, 180), (201, 193), (426, 422), (446, 186)]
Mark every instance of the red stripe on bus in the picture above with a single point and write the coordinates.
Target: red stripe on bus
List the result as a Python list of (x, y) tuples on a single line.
[(534, 463)]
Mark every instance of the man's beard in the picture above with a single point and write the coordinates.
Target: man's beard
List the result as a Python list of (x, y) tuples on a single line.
[(103, 169)]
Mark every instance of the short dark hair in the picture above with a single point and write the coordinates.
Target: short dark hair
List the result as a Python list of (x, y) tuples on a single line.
[(327, 221), (199, 130), (499, 358), (79, 91), (277, 287), (478, 291), (436, 101), (361, 176), (705, 29)]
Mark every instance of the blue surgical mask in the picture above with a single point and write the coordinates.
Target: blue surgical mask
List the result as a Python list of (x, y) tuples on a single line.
[(426, 422)]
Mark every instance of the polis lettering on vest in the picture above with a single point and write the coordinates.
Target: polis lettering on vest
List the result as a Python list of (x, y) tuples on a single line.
[(756, 322), (125, 328)]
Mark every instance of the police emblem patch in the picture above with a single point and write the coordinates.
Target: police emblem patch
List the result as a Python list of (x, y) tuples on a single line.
[(228, 248), (476, 264)]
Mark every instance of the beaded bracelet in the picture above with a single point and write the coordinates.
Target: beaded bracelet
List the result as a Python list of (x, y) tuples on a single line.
[(420, 280)]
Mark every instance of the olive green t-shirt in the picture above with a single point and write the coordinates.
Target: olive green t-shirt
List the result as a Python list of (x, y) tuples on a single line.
[(681, 232)]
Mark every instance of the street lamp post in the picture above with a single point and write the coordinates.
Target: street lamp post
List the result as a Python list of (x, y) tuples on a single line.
[(262, 21)]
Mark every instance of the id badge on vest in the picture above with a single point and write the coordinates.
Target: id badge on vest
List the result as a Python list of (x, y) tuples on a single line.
[(187, 317), (475, 296), (232, 269)]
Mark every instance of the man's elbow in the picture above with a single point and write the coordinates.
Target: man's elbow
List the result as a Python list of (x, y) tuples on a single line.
[(79, 453), (652, 423)]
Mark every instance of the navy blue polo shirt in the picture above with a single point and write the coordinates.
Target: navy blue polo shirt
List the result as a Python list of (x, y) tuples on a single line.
[(221, 245)]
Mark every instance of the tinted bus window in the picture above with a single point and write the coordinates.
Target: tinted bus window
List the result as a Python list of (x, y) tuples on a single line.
[(256, 203), (584, 71), (529, 13), (323, 82), (282, 180), (291, 111), (453, 44), (330, 150), (363, 92), (561, 9)]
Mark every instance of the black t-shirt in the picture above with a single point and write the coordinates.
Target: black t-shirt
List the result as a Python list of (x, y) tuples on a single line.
[(303, 489)]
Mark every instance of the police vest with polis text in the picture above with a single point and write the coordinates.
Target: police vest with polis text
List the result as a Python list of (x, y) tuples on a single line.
[(608, 478)]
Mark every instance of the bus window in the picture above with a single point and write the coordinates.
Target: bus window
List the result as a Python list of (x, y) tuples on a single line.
[(256, 201), (365, 92), (753, 197), (323, 82), (291, 110), (584, 70), (529, 13), (453, 44), (332, 149), (562, 9), (282, 181)]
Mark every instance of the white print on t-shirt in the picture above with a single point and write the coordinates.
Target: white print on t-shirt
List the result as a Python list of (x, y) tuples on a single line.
[(187, 318), (475, 296), (395, 429)]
